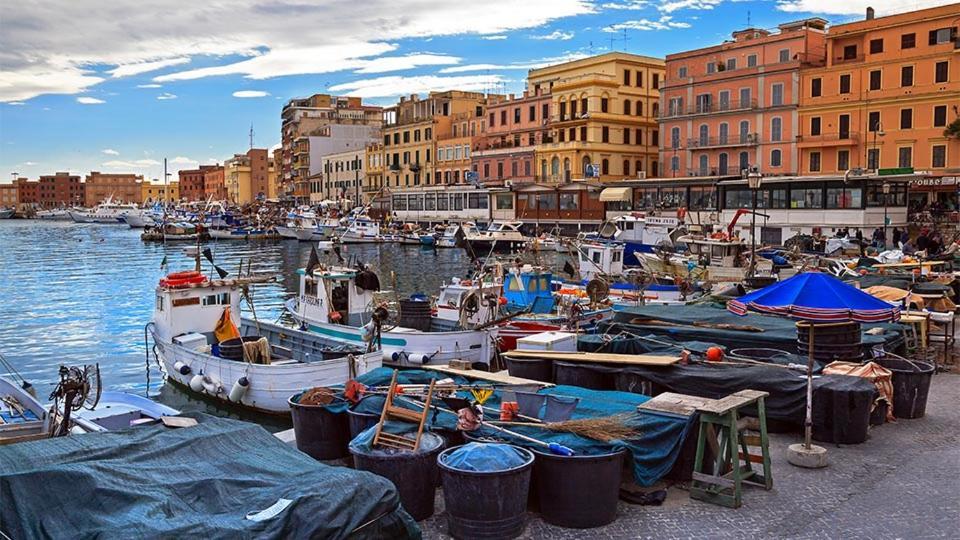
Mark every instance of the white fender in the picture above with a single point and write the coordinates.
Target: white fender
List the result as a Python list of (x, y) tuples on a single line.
[(196, 383), (211, 385), (239, 389)]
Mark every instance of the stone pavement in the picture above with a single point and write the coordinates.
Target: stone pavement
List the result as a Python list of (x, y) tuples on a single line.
[(903, 482)]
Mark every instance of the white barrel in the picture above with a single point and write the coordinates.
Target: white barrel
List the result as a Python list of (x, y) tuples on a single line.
[(239, 389), (181, 368), (196, 383)]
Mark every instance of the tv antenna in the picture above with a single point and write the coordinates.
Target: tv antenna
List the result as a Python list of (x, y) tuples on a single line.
[(625, 39), (251, 136)]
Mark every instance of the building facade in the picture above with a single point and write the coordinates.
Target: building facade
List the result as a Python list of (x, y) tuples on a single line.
[(515, 127), (734, 106), (60, 189), (889, 88), (373, 178), (457, 142), (8, 196), (125, 188), (603, 121), (214, 182), (191, 184), (154, 192), (248, 176), (28, 191)]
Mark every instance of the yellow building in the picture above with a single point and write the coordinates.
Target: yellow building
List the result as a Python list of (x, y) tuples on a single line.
[(373, 163), (605, 111), (236, 176), (152, 192)]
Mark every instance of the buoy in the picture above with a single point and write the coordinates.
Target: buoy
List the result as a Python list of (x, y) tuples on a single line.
[(239, 389), (196, 383), (714, 354), (211, 385), (181, 368)]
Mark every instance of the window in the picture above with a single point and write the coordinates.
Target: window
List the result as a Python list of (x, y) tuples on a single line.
[(626, 167), (605, 134), (777, 97), (486, 170), (583, 105), (704, 133), (744, 130), (583, 133), (724, 100), (908, 41), (845, 84), (731, 64), (704, 168), (776, 158), (626, 136), (532, 113), (843, 160), (906, 118), (844, 127), (906, 76), (674, 137), (704, 103), (626, 77), (875, 78), (604, 103), (941, 35), (752, 60), (568, 201), (941, 71), (744, 98), (905, 157), (639, 79), (807, 196), (703, 198), (844, 197), (876, 46), (873, 121), (744, 161), (938, 156), (737, 198), (784, 55), (815, 161), (545, 114), (939, 116), (655, 138), (682, 72), (711, 67), (638, 136), (873, 158), (816, 87), (776, 129), (563, 110), (724, 132), (516, 115), (443, 203), (674, 163), (656, 81), (850, 52), (605, 166), (626, 106)]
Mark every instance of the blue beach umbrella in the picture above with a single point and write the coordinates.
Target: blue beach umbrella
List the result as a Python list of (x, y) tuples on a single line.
[(817, 300)]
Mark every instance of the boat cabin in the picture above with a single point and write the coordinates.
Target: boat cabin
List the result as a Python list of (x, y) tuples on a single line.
[(192, 304), (600, 258), (717, 252), (479, 311), (332, 295), (645, 230), (529, 287)]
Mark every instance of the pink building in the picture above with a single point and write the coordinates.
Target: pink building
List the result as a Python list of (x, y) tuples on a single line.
[(733, 106), (514, 127)]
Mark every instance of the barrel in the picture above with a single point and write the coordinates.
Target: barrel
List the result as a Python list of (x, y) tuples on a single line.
[(582, 375), (578, 492), (364, 414), (413, 473), (831, 342), (320, 433), (536, 369), (483, 505), (841, 410), (232, 349), (911, 383), (415, 313)]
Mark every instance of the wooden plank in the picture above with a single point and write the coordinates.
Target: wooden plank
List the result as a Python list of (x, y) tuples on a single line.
[(178, 421), (715, 480), (501, 377), (603, 358), (752, 394), (669, 402)]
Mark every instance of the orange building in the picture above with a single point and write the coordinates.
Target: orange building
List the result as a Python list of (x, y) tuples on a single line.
[(28, 191), (214, 182), (515, 127), (121, 187), (733, 106), (60, 189), (8, 196), (889, 88)]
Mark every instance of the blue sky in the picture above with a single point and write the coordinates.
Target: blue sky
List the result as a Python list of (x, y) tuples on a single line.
[(117, 86)]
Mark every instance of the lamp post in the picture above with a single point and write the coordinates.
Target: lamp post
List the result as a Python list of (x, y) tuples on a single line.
[(753, 181), (886, 200), (877, 131)]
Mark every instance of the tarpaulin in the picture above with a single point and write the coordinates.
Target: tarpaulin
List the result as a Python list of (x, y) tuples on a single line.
[(880, 376), (220, 479)]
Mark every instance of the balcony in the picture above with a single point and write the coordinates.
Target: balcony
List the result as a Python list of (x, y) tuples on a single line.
[(848, 59), (746, 139), (851, 138), (711, 108)]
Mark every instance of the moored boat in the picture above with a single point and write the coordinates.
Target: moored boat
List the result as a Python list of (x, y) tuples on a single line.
[(498, 236), (107, 212)]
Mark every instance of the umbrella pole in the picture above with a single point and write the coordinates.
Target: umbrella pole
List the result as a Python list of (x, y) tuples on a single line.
[(808, 422)]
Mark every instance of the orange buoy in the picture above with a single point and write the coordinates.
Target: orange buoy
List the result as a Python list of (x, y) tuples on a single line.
[(714, 354)]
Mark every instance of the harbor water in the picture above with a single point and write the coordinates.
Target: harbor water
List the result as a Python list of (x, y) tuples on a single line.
[(78, 294)]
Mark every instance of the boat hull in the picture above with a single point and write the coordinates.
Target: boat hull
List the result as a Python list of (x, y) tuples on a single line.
[(496, 245)]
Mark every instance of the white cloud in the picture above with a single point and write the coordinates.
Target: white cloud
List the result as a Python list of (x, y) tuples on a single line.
[(275, 147), (136, 164), (151, 85), (47, 48), (495, 37), (632, 5), (669, 6), (398, 86), (250, 94), (16, 103), (86, 100), (386, 64), (531, 64), (855, 7), (166, 95), (665, 22), (127, 70), (110, 152), (555, 35), (181, 160), (29, 163)]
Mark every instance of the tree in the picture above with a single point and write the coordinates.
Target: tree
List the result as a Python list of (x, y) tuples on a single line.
[(953, 130)]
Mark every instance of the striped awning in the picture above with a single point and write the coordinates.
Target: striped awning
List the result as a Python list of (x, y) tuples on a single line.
[(616, 194)]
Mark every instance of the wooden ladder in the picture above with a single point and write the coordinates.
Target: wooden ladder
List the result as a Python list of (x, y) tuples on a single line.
[(733, 465), (393, 412)]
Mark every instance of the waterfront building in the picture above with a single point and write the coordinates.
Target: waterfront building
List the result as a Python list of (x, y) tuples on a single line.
[(247, 176), (373, 158), (318, 125), (888, 89), (122, 187), (28, 191), (8, 196), (342, 176), (456, 143), (435, 203), (603, 121), (203, 183), (514, 128), (155, 191), (60, 189), (274, 165)]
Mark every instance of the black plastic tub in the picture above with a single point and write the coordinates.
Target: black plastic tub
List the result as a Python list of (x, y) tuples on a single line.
[(582, 375), (841, 411), (321, 434), (911, 383), (536, 369), (483, 505), (232, 349), (413, 473), (578, 492), (359, 420), (879, 414)]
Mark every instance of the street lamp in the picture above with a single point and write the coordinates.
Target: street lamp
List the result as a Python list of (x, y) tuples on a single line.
[(877, 131), (886, 200), (754, 179)]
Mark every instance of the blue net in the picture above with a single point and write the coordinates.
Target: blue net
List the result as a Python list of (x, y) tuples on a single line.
[(485, 457)]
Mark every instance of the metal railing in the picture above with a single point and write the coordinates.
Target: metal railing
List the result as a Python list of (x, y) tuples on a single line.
[(743, 139), (710, 108)]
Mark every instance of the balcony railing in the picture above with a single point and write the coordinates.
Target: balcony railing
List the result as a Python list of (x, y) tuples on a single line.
[(830, 139), (711, 108), (745, 139)]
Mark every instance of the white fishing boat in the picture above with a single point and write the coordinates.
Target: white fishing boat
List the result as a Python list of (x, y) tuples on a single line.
[(241, 233), (363, 230), (7, 213), (449, 237), (259, 371), (54, 214), (118, 410), (641, 234), (142, 218), (306, 227), (105, 212), (22, 417), (499, 236), (343, 304)]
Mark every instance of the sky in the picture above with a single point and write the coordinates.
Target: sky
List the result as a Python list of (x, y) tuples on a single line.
[(119, 85)]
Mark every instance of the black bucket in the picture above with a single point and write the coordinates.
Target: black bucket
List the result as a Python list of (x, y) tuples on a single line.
[(582, 375), (841, 410), (321, 434), (360, 421), (483, 505), (535, 369), (578, 492), (232, 349), (911, 383), (415, 314), (413, 473), (879, 414)]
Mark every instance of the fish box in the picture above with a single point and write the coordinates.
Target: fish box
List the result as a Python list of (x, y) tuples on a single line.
[(193, 341), (549, 341)]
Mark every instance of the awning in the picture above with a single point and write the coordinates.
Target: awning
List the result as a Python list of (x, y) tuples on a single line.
[(615, 194)]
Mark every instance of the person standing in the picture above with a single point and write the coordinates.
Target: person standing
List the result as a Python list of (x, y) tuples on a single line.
[(897, 236), (859, 236)]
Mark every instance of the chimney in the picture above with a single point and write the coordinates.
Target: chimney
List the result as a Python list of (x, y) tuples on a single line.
[(869, 13)]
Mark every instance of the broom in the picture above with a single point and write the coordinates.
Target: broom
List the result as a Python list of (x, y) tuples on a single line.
[(604, 428)]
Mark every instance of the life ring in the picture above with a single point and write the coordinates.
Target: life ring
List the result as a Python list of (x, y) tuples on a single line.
[(211, 385), (182, 282), (466, 282), (183, 275)]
